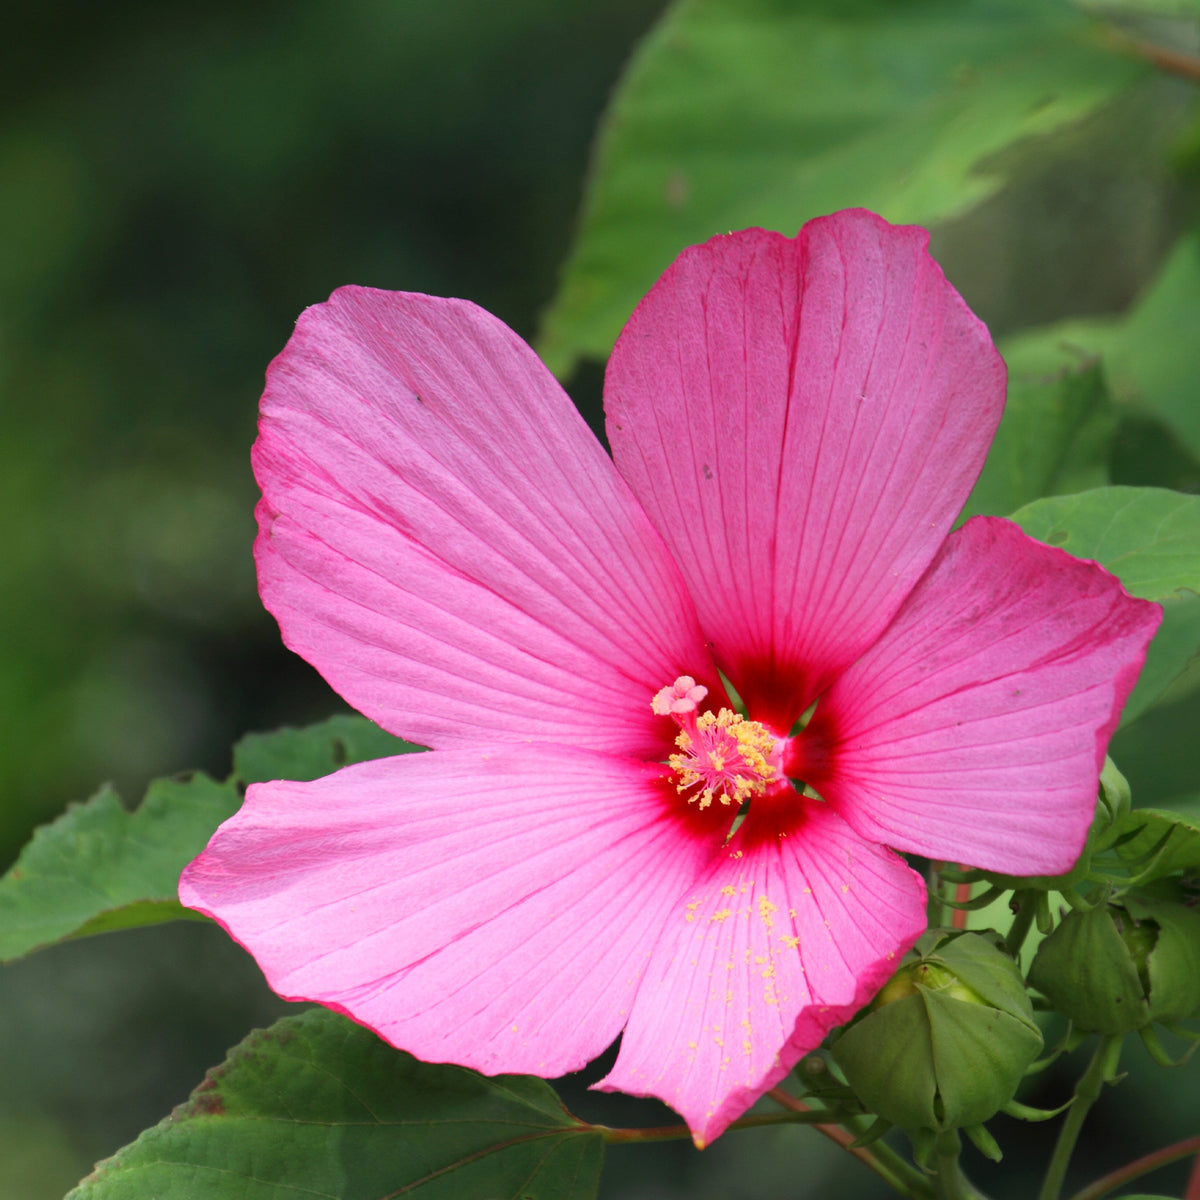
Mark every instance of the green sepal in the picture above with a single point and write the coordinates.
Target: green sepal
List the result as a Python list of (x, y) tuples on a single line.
[(1158, 1052), (873, 1133), (1154, 843), (984, 1142), (1026, 1112)]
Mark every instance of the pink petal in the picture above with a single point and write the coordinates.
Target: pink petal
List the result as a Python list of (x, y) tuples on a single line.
[(975, 729), (494, 908), (802, 419), (443, 538), (791, 931)]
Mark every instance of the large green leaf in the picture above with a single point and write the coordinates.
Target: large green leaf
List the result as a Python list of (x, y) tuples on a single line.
[(100, 867), (1151, 354), (1150, 539), (317, 1106), (768, 112), (313, 751), (1054, 438)]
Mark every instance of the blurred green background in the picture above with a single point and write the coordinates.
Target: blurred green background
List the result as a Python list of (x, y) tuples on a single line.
[(176, 183)]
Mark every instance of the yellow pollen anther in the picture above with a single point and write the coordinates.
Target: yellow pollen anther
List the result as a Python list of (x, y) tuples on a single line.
[(723, 756)]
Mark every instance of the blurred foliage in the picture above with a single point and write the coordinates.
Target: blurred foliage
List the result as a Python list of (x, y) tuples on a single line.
[(178, 182), (768, 112)]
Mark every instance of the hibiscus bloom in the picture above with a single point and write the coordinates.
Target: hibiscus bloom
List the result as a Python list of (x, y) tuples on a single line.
[(795, 425)]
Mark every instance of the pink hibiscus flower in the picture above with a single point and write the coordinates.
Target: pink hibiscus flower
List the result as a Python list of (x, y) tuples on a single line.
[(795, 425)]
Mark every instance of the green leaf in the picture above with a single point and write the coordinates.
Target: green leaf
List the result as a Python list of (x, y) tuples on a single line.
[(768, 112), (1054, 439), (1151, 354), (314, 751), (1172, 835), (1150, 539), (318, 1107), (99, 867)]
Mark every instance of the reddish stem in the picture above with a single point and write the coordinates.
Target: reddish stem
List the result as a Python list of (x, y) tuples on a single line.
[(836, 1133), (1173, 62), (962, 893), (1142, 1166), (1192, 1191)]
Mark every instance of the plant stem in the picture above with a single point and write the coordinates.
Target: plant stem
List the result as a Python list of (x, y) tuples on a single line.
[(1102, 1067), (881, 1158), (1173, 62), (935, 910), (1140, 1166), (962, 893), (668, 1133), (951, 1183), (1192, 1190), (1026, 903)]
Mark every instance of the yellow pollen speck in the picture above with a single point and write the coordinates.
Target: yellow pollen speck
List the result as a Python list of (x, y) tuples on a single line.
[(790, 942), (720, 915), (728, 890), (845, 887), (765, 909), (747, 1047)]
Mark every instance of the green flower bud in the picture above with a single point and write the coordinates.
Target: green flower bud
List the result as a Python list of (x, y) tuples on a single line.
[(1123, 965), (948, 1038)]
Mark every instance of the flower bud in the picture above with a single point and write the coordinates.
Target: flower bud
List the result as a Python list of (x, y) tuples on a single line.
[(947, 1040), (1123, 965)]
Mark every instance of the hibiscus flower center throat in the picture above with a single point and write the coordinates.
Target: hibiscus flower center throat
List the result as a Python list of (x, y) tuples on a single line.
[(722, 755)]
